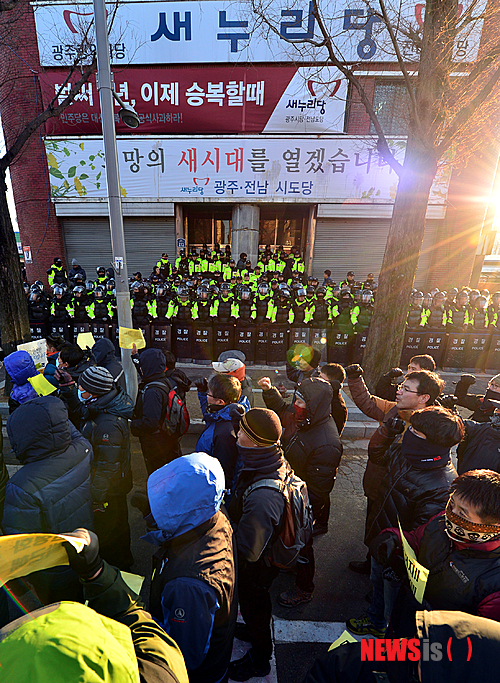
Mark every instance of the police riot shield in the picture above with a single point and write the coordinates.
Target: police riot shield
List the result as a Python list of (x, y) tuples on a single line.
[(298, 335), (146, 333), (454, 355), (493, 357), (79, 328), (99, 331), (434, 344), (244, 340), (358, 347), (161, 337), (223, 336), (113, 335), (317, 339), (202, 343), (261, 342), (62, 329), (339, 347), (277, 344), (411, 346), (476, 351), (182, 341), (38, 331)]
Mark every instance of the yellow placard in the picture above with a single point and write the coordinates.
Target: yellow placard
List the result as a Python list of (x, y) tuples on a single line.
[(128, 337), (85, 340), (344, 638), (417, 573), (41, 385), (22, 554)]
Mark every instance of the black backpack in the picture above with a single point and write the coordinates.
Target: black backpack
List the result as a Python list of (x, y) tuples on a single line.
[(176, 419), (297, 523)]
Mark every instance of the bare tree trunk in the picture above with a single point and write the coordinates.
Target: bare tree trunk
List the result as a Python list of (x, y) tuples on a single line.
[(14, 324), (387, 329)]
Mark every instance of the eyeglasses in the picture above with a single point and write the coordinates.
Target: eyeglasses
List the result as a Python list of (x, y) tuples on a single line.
[(404, 387)]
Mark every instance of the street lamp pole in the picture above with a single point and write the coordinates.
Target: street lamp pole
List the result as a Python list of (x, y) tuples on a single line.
[(105, 87)]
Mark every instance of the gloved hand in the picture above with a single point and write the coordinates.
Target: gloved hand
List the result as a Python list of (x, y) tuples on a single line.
[(384, 547), (88, 562), (467, 380), (63, 377), (394, 373), (354, 371), (201, 385), (449, 401), (395, 426)]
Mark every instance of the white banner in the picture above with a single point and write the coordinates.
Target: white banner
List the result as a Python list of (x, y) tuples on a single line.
[(257, 169), (218, 31)]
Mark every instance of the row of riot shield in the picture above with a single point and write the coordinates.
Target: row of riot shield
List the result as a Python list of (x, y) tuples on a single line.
[(467, 351)]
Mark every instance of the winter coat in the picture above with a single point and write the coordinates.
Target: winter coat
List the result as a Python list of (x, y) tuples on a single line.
[(407, 491), (106, 428), (105, 356), (481, 408), (179, 380), (51, 492), (87, 362), (339, 408), (480, 448), (50, 369), (195, 566), (20, 367), (314, 450), (219, 438)]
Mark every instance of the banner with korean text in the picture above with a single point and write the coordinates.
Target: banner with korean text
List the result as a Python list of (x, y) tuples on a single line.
[(219, 31), (333, 169), (221, 99)]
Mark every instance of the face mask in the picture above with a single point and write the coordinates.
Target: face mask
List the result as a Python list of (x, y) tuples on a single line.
[(213, 407), (300, 413), (460, 529), (80, 396)]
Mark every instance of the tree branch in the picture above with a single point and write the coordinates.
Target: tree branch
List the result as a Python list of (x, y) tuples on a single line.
[(49, 112)]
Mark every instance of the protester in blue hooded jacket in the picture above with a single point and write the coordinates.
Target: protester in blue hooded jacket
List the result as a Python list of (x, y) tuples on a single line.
[(193, 594), (105, 356), (222, 406), (20, 367), (54, 343)]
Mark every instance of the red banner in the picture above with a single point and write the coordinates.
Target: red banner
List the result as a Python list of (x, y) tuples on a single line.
[(182, 100)]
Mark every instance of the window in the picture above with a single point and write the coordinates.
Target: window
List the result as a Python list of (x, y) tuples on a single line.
[(207, 225), (285, 225), (391, 105)]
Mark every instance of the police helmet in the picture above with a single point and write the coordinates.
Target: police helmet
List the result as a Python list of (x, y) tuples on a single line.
[(439, 297), (35, 294), (345, 293), (321, 292), (161, 291), (366, 296), (336, 290), (300, 293), (463, 298), (481, 302), (495, 299), (38, 284), (214, 290), (79, 290), (26, 287), (203, 292), (310, 290), (57, 290), (356, 292), (485, 292), (428, 300), (182, 292), (474, 293), (245, 293), (110, 285), (99, 292), (285, 293), (100, 269), (263, 289), (89, 286)]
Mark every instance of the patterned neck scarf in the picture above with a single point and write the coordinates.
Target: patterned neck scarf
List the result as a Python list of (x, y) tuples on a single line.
[(460, 529)]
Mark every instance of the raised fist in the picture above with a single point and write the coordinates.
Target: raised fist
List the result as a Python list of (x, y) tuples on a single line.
[(394, 373), (354, 371), (265, 383)]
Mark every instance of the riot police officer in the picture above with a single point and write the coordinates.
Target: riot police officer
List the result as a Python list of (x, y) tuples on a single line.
[(437, 317), (202, 309), (341, 312), (79, 304), (179, 308), (263, 303), (225, 309), (60, 307), (365, 312), (164, 266), (38, 311), (100, 309), (246, 308), (479, 311), (494, 310), (349, 281), (282, 306), (320, 311), (101, 275), (57, 274), (459, 313), (140, 309), (414, 319), (301, 314), (162, 302)]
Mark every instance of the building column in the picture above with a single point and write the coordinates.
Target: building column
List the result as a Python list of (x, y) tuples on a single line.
[(245, 232)]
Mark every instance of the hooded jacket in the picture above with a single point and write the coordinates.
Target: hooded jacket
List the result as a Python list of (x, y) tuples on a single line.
[(151, 401), (219, 438), (409, 491), (314, 450), (193, 588), (105, 356), (480, 448), (21, 367), (51, 492), (106, 427)]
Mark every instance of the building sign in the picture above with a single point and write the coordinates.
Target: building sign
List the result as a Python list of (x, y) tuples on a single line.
[(222, 99), (333, 169), (218, 31)]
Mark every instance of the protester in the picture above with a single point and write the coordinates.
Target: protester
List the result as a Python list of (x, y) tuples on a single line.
[(105, 355), (112, 639), (158, 447), (257, 517), (335, 374), (314, 452), (305, 366), (20, 366), (386, 388), (195, 564), (54, 344), (479, 404), (233, 363), (51, 492), (222, 407), (176, 377), (480, 447), (415, 487), (74, 360), (461, 542)]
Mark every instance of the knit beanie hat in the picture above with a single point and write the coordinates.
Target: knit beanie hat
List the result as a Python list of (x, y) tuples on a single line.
[(96, 380), (316, 357), (262, 426)]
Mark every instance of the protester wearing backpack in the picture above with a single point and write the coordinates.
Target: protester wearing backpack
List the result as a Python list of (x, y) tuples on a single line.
[(258, 511), (160, 414)]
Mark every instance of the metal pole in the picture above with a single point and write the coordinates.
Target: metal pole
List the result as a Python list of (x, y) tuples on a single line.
[(105, 88)]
